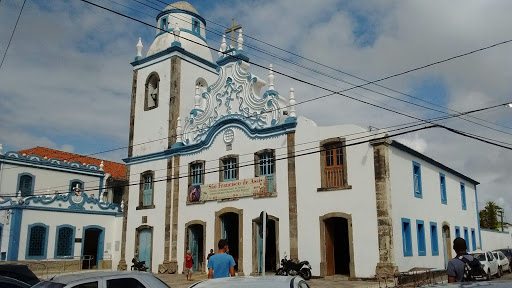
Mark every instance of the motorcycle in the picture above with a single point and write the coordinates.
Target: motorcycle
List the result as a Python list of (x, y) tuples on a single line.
[(139, 265), (292, 268)]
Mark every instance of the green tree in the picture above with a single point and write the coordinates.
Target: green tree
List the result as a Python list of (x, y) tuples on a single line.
[(488, 216)]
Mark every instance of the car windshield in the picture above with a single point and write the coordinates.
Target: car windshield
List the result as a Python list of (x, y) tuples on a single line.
[(480, 256), (45, 284)]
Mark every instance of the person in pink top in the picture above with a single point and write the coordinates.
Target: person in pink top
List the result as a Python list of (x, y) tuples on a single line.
[(189, 263)]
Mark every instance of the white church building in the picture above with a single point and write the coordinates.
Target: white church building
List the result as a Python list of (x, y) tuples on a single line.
[(224, 145)]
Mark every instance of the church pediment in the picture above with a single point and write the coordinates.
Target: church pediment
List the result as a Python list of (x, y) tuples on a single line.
[(235, 94)]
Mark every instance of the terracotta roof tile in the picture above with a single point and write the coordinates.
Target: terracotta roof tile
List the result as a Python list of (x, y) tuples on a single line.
[(117, 170)]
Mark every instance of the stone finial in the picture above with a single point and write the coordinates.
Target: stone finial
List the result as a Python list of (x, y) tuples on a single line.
[(240, 40), (178, 130), (197, 98), (223, 45), (45, 158), (24, 155), (176, 33), (139, 48), (270, 77), (102, 165), (292, 103), (84, 164), (1, 147)]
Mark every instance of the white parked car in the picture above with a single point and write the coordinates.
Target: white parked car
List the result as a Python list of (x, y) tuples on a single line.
[(253, 282), (489, 263), (503, 264), (103, 279)]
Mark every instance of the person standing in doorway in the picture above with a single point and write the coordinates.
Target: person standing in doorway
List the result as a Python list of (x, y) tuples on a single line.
[(221, 265), (210, 254), (189, 263)]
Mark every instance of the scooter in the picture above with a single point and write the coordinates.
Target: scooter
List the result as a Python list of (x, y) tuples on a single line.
[(139, 265), (289, 267)]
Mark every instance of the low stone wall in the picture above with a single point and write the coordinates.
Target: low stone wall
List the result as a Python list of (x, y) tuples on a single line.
[(45, 268)]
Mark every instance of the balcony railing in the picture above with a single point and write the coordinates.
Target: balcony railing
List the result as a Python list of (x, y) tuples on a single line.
[(333, 177)]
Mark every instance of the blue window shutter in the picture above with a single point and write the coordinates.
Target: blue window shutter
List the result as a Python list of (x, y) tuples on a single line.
[(463, 195), (416, 171), (147, 196), (434, 239), (466, 237), (473, 238), (420, 230), (457, 231), (442, 184), (406, 237)]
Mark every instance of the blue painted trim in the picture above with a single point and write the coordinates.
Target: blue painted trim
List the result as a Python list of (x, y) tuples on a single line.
[(466, 237), (442, 187), (463, 195), (457, 231), (417, 166), (162, 25), (176, 10), (473, 238), (101, 242), (420, 233), (219, 126), (176, 43), (37, 161), (57, 242), (198, 30), (434, 239), (29, 233), (101, 187), (14, 234), (174, 49), (427, 159), (478, 218), (184, 30), (407, 237), (33, 183)]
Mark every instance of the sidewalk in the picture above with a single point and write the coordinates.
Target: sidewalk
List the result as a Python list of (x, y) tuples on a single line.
[(180, 281)]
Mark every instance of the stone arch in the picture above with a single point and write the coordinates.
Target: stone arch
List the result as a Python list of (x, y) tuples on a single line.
[(218, 229), (447, 242), (152, 91), (255, 243), (323, 258), (186, 239)]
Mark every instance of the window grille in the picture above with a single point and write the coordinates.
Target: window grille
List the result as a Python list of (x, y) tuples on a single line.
[(197, 173), (230, 169), (147, 193), (65, 242), (37, 241), (333, 167), (26, 185)]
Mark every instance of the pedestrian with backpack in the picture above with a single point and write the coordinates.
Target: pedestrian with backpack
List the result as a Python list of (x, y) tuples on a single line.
[(463, 267)]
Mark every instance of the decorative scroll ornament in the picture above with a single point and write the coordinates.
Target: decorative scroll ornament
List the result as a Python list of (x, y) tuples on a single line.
[(235, 95)]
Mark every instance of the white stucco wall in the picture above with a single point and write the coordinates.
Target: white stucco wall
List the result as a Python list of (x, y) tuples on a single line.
[(45, 179), (428, 208), (359, 201), (492, 240)]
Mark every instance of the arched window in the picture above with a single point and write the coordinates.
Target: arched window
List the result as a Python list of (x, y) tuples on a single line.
[(26, 184), (75, 183), (151, 94), (37, 241), (65, 240)]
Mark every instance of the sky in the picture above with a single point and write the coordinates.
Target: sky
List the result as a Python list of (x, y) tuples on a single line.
[(66, 79)]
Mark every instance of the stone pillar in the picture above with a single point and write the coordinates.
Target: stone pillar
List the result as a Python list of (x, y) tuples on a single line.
[(292, 196), (172, 188), (386, 266), (164, 267), (126, 191)]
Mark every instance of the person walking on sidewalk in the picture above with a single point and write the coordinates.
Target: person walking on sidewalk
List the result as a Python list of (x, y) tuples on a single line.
[(221, 264)]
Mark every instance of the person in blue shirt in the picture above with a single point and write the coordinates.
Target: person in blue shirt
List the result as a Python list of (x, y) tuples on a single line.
[(221, 264)]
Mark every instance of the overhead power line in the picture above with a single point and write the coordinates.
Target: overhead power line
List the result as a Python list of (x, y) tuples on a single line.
[(12, 34)]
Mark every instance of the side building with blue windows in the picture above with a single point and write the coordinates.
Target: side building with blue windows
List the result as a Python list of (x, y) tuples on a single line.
[(60, 209), (222, 144)]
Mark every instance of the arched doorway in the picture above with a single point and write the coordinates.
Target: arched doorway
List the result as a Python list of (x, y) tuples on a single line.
[(229, 225), (271, 258), (144, 244), (92, 246), (195, 241), (447, 245), (336, 245)]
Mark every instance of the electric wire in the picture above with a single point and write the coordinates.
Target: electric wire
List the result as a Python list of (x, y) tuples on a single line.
[(12, 34)]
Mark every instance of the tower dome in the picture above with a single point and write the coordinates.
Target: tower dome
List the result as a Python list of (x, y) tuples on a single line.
[(192, 30)]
